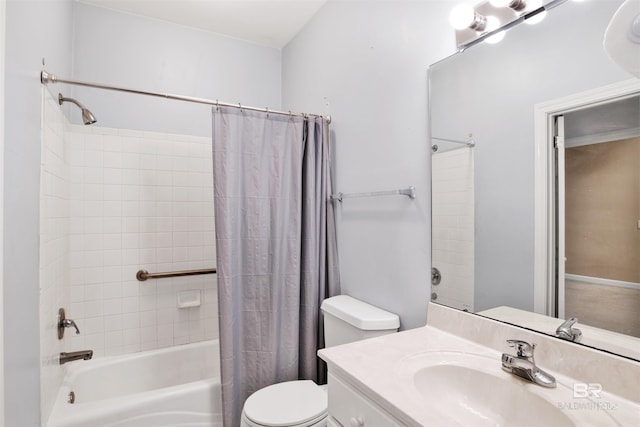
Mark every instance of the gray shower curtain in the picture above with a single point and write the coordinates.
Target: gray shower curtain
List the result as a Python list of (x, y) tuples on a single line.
[(276, 248)]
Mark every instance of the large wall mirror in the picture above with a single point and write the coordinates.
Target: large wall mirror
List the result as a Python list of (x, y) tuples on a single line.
[(548, 95)]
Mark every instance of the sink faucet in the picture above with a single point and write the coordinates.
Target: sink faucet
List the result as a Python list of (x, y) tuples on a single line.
[(524, 365), (566, 332), (75, 355)]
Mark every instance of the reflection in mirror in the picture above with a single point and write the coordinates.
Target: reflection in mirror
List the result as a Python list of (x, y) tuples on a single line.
[(484, 195), (601, 214)]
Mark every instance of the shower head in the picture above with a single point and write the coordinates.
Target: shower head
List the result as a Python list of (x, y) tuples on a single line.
[(87, 117)]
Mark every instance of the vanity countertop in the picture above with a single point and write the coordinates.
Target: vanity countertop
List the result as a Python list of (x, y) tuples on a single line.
[(372, 366), (382, 369)]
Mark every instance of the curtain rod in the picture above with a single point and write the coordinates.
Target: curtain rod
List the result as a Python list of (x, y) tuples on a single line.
[(46, 78)]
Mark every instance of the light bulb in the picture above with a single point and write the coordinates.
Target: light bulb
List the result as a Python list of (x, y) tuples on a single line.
[(462, 16), (492, 24), (500, 3)]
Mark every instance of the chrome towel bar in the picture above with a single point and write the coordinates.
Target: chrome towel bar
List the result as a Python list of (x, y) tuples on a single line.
[(143, 275), (411, 192)]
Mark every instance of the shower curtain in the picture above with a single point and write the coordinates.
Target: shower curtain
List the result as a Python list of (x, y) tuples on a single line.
[(276, 248)]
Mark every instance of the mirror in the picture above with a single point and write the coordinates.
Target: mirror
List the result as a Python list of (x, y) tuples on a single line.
[(485, 179)]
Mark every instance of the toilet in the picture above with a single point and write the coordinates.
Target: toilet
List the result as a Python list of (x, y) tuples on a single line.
[(303, 403)]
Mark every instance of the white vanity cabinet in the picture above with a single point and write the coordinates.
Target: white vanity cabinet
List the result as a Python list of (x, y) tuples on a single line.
[(350, 408)]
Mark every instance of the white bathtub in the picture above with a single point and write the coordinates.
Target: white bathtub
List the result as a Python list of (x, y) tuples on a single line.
[(177, 386)]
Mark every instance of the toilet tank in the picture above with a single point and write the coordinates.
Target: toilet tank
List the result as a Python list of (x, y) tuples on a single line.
[(347, 319)]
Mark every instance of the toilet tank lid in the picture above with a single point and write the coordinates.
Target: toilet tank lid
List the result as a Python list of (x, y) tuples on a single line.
[(360, 314)]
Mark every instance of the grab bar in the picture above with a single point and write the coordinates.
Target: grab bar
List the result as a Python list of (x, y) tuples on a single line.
[(411, 192), (469, 143), (143, 275)]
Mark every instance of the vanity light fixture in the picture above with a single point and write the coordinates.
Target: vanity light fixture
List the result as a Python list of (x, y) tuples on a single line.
[(490, 19)]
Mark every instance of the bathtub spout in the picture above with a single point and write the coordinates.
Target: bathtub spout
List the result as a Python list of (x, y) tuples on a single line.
[(75, 355)]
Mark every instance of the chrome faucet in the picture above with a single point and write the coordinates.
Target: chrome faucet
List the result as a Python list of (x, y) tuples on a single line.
[(63, 323), (566, 332), (75, 355), (524, 366)]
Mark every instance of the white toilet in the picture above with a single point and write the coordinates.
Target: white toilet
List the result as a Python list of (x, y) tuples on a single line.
[(304, 403)]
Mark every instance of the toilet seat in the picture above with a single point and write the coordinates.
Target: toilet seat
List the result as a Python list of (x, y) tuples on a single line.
[(292, 403)]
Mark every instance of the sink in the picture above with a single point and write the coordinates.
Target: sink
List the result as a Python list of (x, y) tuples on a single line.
[(473, 397), (467, 389)]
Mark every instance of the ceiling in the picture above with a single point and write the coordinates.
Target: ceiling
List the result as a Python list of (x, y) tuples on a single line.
[(267, 22)]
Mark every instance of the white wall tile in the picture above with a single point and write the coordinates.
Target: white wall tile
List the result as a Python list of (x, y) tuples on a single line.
[(453, 226), (139, 200), (55, 257)]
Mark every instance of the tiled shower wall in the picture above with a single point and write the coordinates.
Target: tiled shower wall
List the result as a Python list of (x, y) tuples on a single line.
[(113, 202), (54, 246), (453, 226), (139, 200)]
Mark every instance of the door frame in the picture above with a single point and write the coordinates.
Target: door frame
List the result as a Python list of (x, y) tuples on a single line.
[(545, 291), (559, 197), (3, 26)]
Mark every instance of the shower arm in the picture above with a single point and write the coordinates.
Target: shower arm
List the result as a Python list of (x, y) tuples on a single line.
[(62, 99), (87, 116)]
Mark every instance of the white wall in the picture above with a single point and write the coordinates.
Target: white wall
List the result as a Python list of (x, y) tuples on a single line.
[(131, 51), (35, 30), (365, 63)]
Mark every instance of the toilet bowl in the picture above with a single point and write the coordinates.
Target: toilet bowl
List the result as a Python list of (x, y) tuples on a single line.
[(292, 404), (303, 403)]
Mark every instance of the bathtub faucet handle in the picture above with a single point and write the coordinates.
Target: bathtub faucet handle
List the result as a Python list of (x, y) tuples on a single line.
[(63, 323), (67, 323)]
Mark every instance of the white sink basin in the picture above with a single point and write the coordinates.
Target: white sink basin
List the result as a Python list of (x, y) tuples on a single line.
[(476, 398), (463, 389)]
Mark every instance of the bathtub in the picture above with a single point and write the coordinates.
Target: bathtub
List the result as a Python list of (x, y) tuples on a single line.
[(176, 386)]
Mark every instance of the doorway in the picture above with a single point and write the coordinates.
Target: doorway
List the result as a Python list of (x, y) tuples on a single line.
[(588, 201), (598, 215)]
